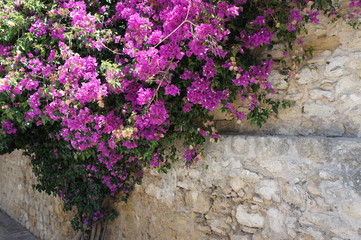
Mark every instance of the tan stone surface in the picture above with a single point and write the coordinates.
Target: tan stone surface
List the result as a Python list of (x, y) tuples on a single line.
[(311, 195), (32, 209), (322, 44)]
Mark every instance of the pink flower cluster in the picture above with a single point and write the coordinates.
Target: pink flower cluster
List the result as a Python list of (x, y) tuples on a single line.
[(8, 127), (120, 92), (159, 37)]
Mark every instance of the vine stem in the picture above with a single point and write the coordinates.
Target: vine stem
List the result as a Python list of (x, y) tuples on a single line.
[(179, 26), (114, 52), (78, 236), (98, 231), (92, 236)]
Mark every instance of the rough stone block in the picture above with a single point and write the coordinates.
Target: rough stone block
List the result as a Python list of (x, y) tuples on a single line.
[(307, 76), (336, 66), (249, 219), (322, 44)]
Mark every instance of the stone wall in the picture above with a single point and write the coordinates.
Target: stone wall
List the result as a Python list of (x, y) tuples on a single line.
[(40, 213), (252, 188), (326, 92), (295, 186), (247, 188)]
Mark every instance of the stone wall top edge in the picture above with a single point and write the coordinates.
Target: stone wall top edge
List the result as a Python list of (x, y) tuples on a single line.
[(283, 136)]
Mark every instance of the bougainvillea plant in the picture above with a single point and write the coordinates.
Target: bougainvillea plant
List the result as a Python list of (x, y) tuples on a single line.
[(95, 90)]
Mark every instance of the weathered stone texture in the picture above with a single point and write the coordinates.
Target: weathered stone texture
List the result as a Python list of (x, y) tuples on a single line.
[(326, 93), (281, 188), (40, 213), (248, 187)]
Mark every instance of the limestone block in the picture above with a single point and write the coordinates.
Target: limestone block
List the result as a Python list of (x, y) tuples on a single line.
[(161, 193), (294, 96), (307, 76), (219, 226), (240, 237), (327, 86), (204, 228), (354, 98), (250, 177), (319, 110), (258, 236), (322, 44), (320, 60), (198, 201), (272, 165), (249, 229), (185, 185), (249, 219), (222, 205), (194, 173), (356, 40), (356, 179), (271, 146), (294, 194), (348, 85), (352, 209), (314, 234), (32, 221), (329, 222), (237, 184), (277, 51), (317, 94), (336, 67), (317, 150), (316, 29), (276, 220), (268, 190), (239, 146), (332, 127), (313, 189), (356, 55), (278, 80)]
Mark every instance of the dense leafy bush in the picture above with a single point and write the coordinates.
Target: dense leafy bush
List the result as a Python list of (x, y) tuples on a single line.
[(93, 91)]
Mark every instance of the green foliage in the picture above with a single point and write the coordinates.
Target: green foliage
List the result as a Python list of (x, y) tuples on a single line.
[(88, 177)]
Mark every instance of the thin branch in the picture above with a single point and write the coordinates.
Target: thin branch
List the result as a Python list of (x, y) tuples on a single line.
[(110, 49), (93, 232), (104, 230), (78, 235), (179, 26)]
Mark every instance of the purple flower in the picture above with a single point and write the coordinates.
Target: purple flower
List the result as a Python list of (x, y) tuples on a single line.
[(260, 20), (5, 50), (145, 95), (313, 16), (39, 28), (129, 144), (155, 160), (355, 3), (294, 18), (200, 92), (263, 36), (187, 107), (155, 37), (171, 90), (189, 155), (8, 127), (268, 11), (157, 114)]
